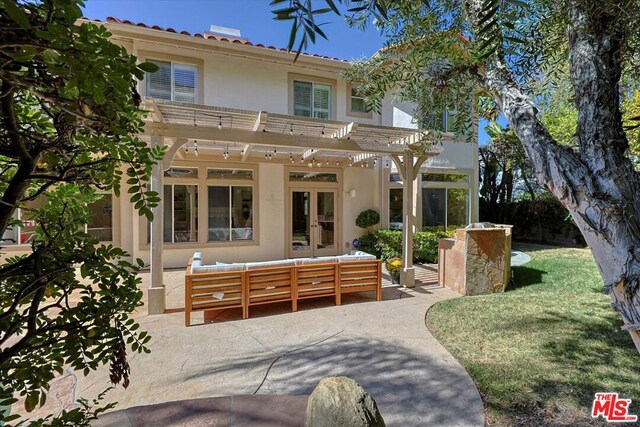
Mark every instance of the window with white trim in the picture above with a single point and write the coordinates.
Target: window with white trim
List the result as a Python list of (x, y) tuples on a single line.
[(358, 104), (230, 213), (180, 215), (230, 205), (173, 81), (312, 99), (395, 209), (445, 199), (100, 223)]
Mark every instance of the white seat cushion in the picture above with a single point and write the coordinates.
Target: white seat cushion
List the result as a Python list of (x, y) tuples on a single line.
[(267, 264), (316, 260), (218, 268)]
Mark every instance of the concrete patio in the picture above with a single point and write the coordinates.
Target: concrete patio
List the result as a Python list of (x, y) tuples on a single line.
[(385, 346)]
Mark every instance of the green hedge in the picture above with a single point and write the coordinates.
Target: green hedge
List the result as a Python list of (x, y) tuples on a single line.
[(387, 244)]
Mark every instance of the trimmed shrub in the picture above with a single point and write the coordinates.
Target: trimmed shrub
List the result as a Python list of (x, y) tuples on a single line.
[(386, 244), (367, 218)]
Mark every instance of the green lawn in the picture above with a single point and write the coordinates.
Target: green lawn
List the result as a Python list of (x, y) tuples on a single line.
[(540, 351)]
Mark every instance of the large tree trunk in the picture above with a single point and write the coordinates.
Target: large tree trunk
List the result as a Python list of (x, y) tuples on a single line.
[(597, 184)]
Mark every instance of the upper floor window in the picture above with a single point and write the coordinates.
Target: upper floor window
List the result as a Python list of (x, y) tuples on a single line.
[(173, 82), (445, 119), (358, 104), (312, 99)]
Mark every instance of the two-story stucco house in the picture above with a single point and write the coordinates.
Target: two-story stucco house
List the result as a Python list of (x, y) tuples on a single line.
[(271, 158)]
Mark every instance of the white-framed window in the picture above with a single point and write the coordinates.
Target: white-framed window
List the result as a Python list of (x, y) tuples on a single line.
[(358, 104), (312, 99), (445, 199), (230, 205), (173, 81), (395, 209), (444, 119), (180, 213), (100, 223), (230, 213), (445, 207)]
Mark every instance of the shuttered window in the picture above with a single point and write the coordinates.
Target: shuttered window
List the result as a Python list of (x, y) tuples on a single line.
[(311, 100), (173, 82)]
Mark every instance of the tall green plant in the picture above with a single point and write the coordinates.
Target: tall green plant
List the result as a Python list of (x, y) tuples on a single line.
[(69, 116)]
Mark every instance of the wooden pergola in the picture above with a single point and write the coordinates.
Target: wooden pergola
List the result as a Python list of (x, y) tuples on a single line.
[(244, 135)]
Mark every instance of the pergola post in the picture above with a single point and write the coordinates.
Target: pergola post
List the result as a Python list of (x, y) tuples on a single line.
[(408, 273), (408, 172), (156, 297)]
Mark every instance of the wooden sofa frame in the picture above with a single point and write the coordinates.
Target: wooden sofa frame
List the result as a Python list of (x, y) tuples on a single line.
[(222, 290)]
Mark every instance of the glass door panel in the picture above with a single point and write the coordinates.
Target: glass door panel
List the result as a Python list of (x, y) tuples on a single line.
[(434, 202), (301, 224), (325, 219)]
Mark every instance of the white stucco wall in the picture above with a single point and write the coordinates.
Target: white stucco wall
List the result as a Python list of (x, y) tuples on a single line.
[(365, 182)]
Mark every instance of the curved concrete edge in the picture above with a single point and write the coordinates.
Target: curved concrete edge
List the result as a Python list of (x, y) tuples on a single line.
[(252, 410), (462, 368)]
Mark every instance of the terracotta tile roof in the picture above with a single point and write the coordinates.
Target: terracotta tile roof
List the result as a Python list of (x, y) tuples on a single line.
[(208, 36)]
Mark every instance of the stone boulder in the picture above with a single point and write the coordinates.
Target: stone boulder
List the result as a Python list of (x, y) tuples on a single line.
[(340, 401)]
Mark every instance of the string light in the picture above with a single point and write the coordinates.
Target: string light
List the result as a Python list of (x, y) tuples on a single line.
[(291, 130), (195, 147), (219, 122)]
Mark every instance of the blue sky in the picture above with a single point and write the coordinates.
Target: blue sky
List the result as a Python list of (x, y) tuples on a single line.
[(252, 17)]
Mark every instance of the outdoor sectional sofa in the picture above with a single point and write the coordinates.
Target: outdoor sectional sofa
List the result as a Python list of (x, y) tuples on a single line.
[(243, 285)]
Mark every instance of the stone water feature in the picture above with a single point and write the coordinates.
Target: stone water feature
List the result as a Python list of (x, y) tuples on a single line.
[(477, 260)]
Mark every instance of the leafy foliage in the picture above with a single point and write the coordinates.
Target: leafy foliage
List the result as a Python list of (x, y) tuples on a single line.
[(69, 116), (631, 108), (367, 218), (386, 244)]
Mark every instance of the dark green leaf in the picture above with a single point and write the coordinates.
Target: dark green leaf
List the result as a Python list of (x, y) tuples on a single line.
[(17, 14)]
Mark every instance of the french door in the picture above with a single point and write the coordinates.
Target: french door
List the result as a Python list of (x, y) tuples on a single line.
[(313, 222)]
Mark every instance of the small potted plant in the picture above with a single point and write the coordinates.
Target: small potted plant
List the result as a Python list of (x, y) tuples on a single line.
[(394, 265)]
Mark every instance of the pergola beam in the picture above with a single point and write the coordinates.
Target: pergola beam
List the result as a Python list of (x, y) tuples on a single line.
[(361, 158), (246, 151), (345, 132), (276, 140), (261, 121), (309, 153)]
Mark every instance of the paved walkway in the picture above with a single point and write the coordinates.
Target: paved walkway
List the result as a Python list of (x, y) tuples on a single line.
[(385, 346)]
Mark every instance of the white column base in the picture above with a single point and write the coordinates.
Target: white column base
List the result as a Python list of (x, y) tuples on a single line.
[(408, 277), (156, 303)]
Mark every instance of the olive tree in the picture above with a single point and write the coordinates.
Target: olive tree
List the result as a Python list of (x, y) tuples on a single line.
[(69, 116), (436, 47)]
